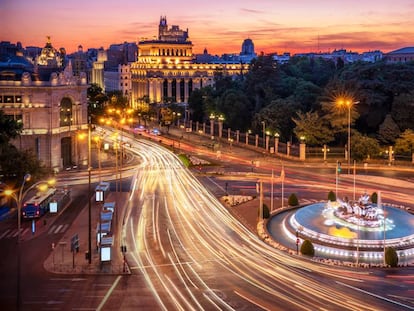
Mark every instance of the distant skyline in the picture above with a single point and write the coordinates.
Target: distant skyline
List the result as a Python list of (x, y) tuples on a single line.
[(220, 26)]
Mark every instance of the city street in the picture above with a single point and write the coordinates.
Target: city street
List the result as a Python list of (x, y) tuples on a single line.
[(187, 251)]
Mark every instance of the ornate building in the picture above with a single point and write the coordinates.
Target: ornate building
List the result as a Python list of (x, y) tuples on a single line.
[(50, 102), (165, 70)]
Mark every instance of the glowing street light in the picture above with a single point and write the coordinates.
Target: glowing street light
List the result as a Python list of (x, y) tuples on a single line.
[(348, 103), (18, 196)]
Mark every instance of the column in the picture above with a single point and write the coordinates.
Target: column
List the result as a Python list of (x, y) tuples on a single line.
[(302, 151)]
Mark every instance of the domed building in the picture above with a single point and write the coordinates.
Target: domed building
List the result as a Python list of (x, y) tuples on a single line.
[(166, 70), (50, 101), (247, 51)]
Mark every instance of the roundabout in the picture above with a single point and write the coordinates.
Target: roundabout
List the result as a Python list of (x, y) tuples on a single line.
[(353, 232)]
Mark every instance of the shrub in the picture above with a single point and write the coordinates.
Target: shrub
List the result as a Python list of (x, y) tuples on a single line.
[(374, 197), (266, 212), (293, 200), (186, 161), (307, 248), (331, 196), (391, 257)]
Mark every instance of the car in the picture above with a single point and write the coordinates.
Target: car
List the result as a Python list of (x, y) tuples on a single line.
[(155, 132), (140, 128)]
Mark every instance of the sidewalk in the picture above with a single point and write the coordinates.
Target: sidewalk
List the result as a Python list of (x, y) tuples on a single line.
[(62, 260)]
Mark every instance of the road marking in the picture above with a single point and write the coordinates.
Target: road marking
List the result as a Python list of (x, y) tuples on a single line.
[(64, 228), (377, 296), (108, 293), (58, 228), (51, 229), (5, 233)]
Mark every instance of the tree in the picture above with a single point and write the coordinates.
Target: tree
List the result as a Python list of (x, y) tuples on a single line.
[(391, 257), (388, 131), (405, 143), (293, 200), (96, 101), (331, 196), (403, 111), (266, 211), (15, 164), (277, 117), (261, 81), (9, 128), (313, 128), (236, 107), (374, 197), (363, 147), (307, 248)]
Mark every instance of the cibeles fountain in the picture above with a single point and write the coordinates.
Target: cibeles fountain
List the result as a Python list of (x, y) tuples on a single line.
[(351, 231)]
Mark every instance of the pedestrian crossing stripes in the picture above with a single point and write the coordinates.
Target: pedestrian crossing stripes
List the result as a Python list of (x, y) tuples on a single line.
[(55, 229), (13, 233)]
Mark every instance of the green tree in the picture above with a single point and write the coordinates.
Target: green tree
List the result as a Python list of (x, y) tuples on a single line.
[(374, 197), (311, 126), (307, 248), (391, 257), (261, 82), (405, 143), (196, 105), (331, 196), (266, 211), (363, 147), (293, 200), (388, 131), (403, 111), (15, 164), (235, 106), (277, 117), (96, 101), (9, 128)]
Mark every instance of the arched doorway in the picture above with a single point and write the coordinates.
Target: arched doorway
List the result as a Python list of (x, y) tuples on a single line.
[(66, 151)]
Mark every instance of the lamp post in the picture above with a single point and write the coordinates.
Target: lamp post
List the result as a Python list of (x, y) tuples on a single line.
[(348, 103), (18, 200), (264, 133), (277, 143), (212, 117), (267, 140), (89, 194), (220, 122)]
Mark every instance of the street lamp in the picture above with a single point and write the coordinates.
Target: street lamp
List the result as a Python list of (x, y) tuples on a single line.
[(18, 199), (277, 142), (264, 133), (220, 122), (348, 103)]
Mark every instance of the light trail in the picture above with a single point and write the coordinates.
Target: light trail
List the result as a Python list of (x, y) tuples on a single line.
[(194, 255)]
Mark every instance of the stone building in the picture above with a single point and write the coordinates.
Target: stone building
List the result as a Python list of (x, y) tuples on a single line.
[(51, 102), (166, 71), (402, 55)]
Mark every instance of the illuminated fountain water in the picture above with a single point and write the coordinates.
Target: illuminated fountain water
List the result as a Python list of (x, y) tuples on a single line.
[(348, 231)]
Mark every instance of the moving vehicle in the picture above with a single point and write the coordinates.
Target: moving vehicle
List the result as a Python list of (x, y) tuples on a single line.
[(38, 205)]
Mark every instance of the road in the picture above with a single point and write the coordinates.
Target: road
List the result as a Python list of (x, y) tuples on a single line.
[(187, 252), (195, 255)]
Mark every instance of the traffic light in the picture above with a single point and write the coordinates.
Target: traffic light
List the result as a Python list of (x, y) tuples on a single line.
[(338, 167)]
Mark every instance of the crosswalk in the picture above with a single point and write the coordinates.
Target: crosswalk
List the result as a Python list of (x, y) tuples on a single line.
[(13, 232)]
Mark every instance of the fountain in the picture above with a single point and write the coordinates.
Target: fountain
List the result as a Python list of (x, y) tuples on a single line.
[(353, 231)]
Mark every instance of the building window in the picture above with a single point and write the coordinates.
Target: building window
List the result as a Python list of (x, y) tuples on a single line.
[(8, 99), (65, 112)]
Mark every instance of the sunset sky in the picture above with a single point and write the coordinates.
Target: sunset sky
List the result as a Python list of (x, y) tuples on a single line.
[(218, 25)]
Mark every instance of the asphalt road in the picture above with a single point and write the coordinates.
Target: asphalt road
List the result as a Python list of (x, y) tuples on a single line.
[(186, 251)]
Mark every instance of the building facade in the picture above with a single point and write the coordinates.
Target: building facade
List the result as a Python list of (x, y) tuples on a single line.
[(402, 55), (51, 102), (165, 70)]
